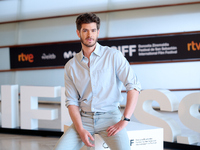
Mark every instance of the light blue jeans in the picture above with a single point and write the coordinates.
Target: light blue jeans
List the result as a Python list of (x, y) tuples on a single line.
[(95, 124)]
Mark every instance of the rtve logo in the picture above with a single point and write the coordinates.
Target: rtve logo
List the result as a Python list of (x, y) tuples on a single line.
[(26, 57), (193, 46)]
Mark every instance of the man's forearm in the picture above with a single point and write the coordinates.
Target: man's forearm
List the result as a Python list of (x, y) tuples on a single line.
[(132, 98), (75, 116)]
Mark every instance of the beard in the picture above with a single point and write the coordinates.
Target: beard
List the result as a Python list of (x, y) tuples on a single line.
[(88, 45)]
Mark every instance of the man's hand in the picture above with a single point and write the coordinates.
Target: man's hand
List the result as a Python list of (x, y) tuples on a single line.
[(132, 97), (85, 135), (112, 130), (76, 118)]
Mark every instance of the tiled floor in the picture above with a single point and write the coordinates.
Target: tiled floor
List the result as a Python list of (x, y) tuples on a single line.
[(24, 142)]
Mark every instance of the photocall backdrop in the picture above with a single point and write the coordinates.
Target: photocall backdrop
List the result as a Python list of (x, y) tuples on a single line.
[(138, 49)]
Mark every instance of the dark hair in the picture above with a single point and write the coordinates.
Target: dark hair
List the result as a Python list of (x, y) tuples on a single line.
[(87, 18)]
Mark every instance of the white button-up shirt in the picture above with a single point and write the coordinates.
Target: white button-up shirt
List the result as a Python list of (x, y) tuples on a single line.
[(98, 88)]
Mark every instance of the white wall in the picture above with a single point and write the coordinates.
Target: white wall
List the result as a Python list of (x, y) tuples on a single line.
[(123, 23), (26, 9), (4, 59)]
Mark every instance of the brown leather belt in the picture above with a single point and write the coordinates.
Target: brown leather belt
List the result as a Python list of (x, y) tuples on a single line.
[(93, 113)]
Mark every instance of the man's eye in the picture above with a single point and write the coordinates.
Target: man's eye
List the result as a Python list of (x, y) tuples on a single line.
[(94, 30)]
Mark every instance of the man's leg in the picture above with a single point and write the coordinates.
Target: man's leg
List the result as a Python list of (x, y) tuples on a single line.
[(120, 141), (70, 140)]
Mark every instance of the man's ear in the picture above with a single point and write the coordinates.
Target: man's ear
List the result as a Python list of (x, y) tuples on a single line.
[(78, 33)]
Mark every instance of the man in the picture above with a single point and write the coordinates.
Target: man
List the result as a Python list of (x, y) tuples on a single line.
[(93, 81)]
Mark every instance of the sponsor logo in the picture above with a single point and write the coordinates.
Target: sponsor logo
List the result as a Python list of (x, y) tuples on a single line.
[(49, 56), (68, 54), (26, 57), (130, 49), (193, 46)]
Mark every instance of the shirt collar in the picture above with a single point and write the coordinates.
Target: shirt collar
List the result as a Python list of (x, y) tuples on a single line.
[(97, 51)]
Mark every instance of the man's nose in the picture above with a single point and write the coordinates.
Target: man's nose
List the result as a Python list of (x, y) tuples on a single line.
[(89, 33)]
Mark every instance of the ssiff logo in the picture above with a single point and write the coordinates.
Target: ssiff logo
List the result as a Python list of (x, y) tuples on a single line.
[(131, 142), (26, 57), (194, 46)]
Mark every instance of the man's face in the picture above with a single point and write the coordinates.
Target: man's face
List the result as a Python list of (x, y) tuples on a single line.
[(88, 34)]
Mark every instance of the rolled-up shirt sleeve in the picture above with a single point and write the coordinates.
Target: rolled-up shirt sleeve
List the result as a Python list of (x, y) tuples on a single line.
[(126, 74), (71, 92)]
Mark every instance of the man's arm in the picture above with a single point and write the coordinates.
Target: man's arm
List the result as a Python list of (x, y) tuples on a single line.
[(76, 118), (132, 98)]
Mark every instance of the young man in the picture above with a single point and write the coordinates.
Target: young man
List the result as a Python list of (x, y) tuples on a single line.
[(93, 82)]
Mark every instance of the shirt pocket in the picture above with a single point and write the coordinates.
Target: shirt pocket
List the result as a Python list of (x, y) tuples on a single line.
[(104, 77)]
